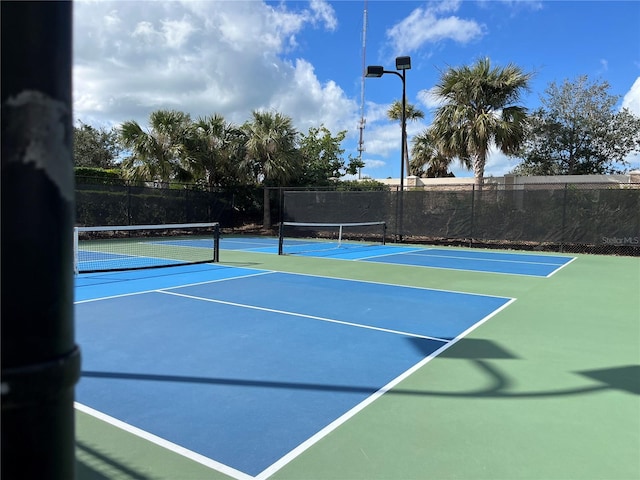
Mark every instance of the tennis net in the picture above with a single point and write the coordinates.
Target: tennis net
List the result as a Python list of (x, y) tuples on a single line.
[(113, 248), (299, 237)]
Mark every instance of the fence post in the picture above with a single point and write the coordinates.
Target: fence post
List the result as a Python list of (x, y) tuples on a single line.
[(186, 204), (396, 237), (266, 215), (129, 214), (473, 201), (564, 217)]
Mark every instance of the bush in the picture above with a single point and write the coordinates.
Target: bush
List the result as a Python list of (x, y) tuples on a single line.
[(101, 176)]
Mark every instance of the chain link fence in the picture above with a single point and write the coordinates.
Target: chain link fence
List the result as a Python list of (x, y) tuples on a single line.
[(100, 203), (590, 218), (556, 217)]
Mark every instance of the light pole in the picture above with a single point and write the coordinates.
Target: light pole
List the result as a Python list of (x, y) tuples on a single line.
[(403, 64)]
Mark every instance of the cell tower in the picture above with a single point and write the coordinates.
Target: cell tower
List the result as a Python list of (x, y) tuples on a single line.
[(364, 52)]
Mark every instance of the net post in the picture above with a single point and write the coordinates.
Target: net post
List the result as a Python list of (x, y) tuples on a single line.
[(384, 233), (340, 236), (76, 263), (281, 239), (216, 243)]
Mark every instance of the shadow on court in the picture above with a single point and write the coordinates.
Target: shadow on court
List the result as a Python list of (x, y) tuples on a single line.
[(619, 378), (91, 464), (476, 351)]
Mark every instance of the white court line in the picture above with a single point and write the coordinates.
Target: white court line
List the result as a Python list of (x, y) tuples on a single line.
[(393, 284), (368, 401), (462, 257), (415, 253), (457, 269), (302, 315), (573, 259), (388, 254), (173, 447), (204, 282)]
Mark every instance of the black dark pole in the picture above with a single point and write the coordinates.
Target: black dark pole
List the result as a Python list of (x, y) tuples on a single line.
[(40, 361), (376, 71), (403, 153)]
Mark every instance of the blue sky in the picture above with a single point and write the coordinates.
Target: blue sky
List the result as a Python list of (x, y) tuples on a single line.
[(305, 59)]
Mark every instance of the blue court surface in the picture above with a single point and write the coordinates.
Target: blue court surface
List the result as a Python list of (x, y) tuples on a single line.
[(243, 369), (513, 263)]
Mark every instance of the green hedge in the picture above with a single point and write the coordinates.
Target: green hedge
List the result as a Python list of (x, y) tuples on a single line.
[(92, 175)]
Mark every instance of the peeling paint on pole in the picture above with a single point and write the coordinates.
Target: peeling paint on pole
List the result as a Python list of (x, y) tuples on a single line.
[(39, 126)]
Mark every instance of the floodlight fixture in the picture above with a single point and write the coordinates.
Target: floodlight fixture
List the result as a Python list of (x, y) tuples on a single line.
[(374, 71), (403, 63)]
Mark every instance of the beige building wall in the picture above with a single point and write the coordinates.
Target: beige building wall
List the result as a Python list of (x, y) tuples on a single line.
[(515, 182)]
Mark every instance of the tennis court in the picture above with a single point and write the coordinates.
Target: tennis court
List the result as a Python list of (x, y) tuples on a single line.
[(402, 362), (461, 259)]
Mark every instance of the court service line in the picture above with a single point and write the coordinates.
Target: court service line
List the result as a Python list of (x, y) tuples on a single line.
[(499, 260), (302, 315), (173, 447), (407, 252), (265, 474), (457, 269), (204, 282), (387, 284), (418, 253)]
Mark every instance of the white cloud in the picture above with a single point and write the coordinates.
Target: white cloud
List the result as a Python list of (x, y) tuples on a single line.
[(499, 164), (429, 99), (177, 32), (373, 164), (200, 57), (324, 11), (604, 65), (313, 102), (631, 100), (425, 25), (383, 139)]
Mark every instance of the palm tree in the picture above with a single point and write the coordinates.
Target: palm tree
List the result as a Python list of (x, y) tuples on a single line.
[(271, 155), (215, 150), (427, 158), (478, 110), (411, 113), (158, 154)]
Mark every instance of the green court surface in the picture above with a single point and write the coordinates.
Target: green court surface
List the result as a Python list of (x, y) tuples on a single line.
[(548, 388)]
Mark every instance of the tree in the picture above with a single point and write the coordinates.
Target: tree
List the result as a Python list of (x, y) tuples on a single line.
[(577, 132), (411, 113), (271, 157), (427, 158), (479, 110), (271, 154), (215, 150), (95, 147), (322, 156), (159, 154)]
